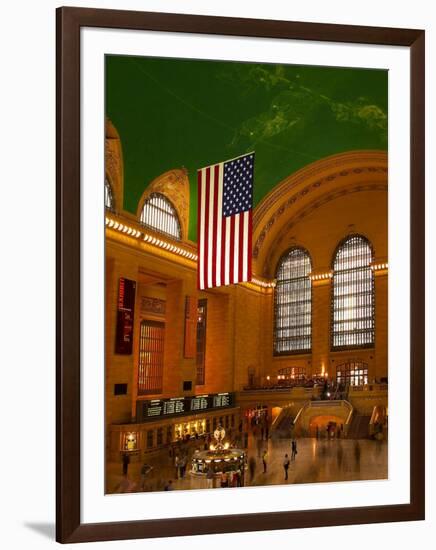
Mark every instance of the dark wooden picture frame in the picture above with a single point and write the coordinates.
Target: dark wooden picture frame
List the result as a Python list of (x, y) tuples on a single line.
[(68, 522)]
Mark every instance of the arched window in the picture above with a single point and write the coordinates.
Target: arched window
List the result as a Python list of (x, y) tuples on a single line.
[(159, 214), (293, 303), (108, 195), (353, 294)]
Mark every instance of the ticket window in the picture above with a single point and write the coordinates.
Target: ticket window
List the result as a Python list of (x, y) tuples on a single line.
[(149, 439), (208, 425), (159, 437), (227, 422), (215, 423), (197, 426), (183, 431), (179, 431), (129, 441)]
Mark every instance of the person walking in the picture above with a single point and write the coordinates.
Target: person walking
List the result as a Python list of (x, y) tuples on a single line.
[(183, 463), (286, 463), (294, 449), (265, 460), (209, 478), (169, 486), (252, 468), (177, 466), (126, 462), (224, 480), (145, 469), (357, 455), (259, 447), (339, 456)]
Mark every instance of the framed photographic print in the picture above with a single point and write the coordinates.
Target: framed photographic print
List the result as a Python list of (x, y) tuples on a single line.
[(240, 246)]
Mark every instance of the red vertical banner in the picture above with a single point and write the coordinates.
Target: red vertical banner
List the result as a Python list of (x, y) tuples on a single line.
[(125, 316)]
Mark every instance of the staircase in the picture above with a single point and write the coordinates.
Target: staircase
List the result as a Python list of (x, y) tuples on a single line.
[(359, 427), (283, 425)]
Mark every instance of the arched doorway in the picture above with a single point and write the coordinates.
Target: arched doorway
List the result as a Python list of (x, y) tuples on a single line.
[(326, 426)]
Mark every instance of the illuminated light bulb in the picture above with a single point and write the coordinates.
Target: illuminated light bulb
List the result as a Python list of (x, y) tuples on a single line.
[(111, 223), (116, 224)]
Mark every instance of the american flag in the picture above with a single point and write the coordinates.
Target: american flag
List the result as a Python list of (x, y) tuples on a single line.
[(225, 202)]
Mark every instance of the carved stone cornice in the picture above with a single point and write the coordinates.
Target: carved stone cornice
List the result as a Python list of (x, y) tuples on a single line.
[(309, 209)]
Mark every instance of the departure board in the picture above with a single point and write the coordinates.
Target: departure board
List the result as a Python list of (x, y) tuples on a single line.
[(175, 406)]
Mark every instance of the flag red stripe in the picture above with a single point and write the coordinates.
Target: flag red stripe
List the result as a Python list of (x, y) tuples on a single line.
[(206, 228), (199, 236), (241, 247), (215, 224), (223, 250), (249, 245), (232, 250)]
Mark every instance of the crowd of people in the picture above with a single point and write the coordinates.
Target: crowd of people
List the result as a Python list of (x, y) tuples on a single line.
[(252, 435)]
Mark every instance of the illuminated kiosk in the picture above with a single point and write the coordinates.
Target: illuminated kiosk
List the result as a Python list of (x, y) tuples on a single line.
[(208, 466)]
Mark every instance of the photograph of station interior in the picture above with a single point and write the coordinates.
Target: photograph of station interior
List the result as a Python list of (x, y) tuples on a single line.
[(305, 340)]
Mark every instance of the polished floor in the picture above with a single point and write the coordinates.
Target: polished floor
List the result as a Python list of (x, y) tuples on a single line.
[(316, 461)]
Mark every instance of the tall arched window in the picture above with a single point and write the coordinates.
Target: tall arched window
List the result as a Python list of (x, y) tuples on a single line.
[(159, 214), (108, 195), (353, 294), (293, 303)]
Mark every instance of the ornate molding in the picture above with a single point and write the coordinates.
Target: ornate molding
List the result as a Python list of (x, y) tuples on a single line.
[(314, 205), (156, 306), (114, 163), (293, 199), (325, 169)]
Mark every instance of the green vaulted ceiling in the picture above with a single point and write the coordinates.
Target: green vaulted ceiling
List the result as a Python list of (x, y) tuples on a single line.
[(172, 113)]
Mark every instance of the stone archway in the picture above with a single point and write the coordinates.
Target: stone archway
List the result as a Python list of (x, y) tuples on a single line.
[(174, 185), (310, 188)]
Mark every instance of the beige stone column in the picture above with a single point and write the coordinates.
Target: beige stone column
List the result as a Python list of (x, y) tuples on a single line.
[(381, 324), (267, 336), (219, 341), (118, 368), (321, 304), (177, 368)]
